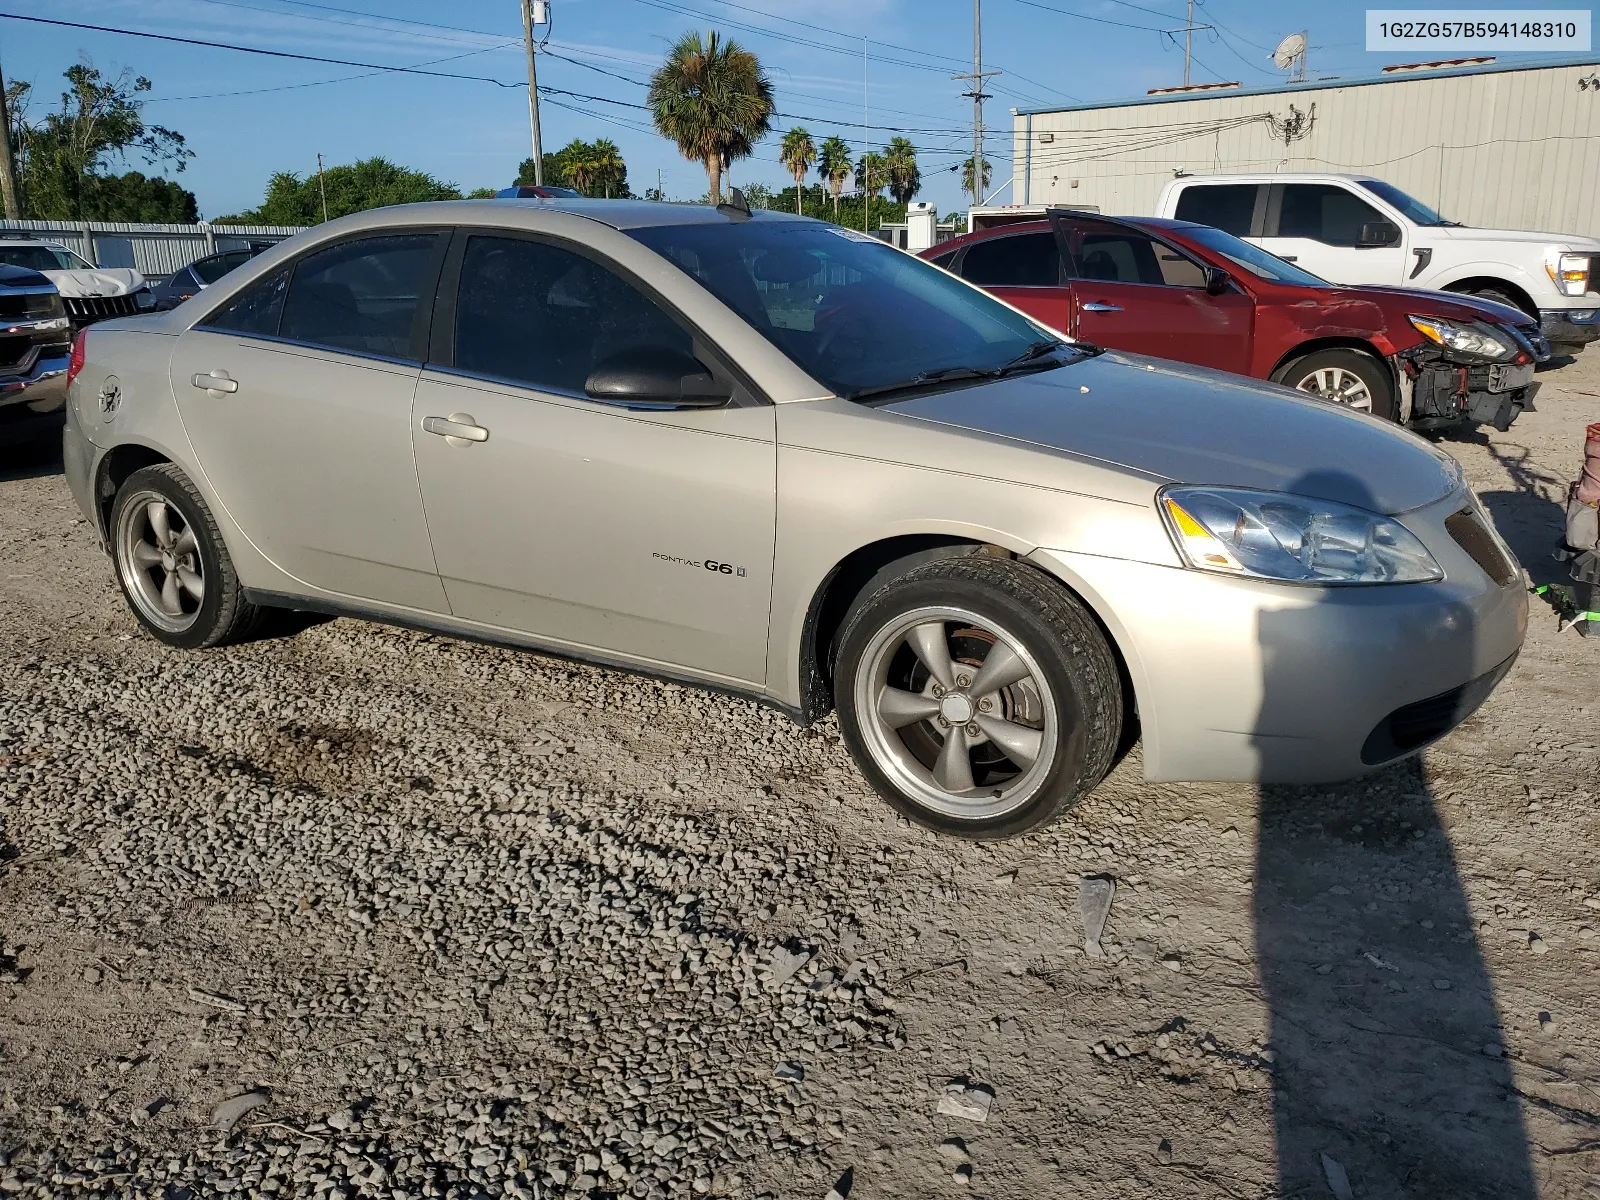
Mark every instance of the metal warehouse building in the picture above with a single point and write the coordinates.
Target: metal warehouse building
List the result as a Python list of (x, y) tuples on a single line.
[(1512, 142)]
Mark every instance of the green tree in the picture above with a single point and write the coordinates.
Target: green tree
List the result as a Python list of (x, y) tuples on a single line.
[(833, 164), (553, 174), (137, 197), (593, 168), (63, 160), (905, 178), (976, 191), (714, 100), (371, 183), (481, 194), (872, 172), (797, 153), (610, 172)]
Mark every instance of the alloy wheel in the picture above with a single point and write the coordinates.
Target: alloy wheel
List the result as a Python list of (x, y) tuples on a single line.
[(159, 558), (1339, 385), (957, 712)]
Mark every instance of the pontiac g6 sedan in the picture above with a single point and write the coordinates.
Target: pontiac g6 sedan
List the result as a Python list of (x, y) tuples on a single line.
[(774, 457)]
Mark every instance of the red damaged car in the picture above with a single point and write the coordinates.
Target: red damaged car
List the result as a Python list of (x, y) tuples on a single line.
[(1177, 290)]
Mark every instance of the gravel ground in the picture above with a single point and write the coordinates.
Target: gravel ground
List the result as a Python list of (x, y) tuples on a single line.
[(352, 911)]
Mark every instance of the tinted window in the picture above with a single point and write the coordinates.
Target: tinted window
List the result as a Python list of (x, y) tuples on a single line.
[(944, 260), (1023, 260), (1227, 206), (1323, 213), (851, 312), (34, 258), (1115, 255), (360, 295), (1253, 258), (209, 270), (540, 315), (1413, 208), (256, 310)]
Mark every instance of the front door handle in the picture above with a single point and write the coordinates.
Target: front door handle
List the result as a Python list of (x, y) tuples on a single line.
[(217, 383), (1097, 306), (1290, 257), (458, 428)]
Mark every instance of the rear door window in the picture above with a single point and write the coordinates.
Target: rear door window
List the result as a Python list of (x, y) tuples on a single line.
[(1114, 254), (1227, 206), (363, 296), (257, 310), (1323, 213), (1020, 260), (209, 270)]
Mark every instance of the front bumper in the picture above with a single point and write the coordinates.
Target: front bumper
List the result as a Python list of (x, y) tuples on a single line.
[(40, 389), (1570, 328), (1248, 681)]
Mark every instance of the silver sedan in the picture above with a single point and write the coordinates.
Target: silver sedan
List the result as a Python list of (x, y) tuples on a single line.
[(771, 456)]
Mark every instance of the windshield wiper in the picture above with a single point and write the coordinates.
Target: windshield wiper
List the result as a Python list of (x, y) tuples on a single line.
[(1029, 359)]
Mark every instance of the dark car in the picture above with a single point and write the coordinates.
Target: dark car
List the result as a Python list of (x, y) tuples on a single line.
[(35, 346), (200, 274), (1180, 290)]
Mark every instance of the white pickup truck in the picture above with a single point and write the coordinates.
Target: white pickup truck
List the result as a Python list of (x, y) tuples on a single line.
[(1355, 229)]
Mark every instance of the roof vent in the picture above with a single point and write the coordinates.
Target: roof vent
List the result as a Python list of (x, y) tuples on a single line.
[(1440, 65)]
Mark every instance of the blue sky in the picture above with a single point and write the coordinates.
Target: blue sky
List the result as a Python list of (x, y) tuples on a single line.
[(247, 116)]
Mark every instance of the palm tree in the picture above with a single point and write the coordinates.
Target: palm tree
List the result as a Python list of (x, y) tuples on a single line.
[(833, 163), (872, 173), (967, 185), (713, 99), (905, 179), (797, 153), (606, 162), (578, 164)]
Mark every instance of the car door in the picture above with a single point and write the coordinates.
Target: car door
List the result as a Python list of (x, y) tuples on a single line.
[(1023, 269), (1132, 291), (620, 533), (296, 396), (1319, 227)]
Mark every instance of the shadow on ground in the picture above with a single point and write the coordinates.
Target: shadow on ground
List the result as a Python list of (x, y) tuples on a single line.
[(31, 459)]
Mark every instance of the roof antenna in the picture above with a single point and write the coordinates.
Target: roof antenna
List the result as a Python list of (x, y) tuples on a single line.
[(735, 207)]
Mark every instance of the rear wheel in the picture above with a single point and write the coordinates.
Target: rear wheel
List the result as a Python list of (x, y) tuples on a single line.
[(172, 565), (978, 697), (1346, 377)]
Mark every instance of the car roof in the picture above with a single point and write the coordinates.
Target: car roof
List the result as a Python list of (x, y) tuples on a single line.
[(7, 240), (1274, 177), (1166, 224), (618, 214)]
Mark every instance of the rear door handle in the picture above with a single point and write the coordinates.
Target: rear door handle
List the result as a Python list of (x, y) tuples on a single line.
[(458, 428), (216, 382), (1096, 306)]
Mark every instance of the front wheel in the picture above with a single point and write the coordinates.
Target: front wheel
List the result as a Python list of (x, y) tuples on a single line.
[(172, 565), (978, 696), (1346, 377)]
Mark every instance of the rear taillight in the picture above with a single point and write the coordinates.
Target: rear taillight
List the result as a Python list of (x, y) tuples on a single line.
[(75, 363)]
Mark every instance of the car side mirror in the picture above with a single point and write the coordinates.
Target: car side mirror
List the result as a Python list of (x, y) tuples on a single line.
[(1378, 233), (1217, 281), (657, 377)]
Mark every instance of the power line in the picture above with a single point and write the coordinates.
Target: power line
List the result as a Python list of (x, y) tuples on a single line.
[(1063, 12)]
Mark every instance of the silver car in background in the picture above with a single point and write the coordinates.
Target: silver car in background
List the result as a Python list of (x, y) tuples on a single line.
[(771, 456)]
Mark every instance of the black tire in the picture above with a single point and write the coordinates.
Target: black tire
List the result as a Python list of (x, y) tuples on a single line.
[(222, 614), (1501, 296), (1371, 372), (1046, 622)]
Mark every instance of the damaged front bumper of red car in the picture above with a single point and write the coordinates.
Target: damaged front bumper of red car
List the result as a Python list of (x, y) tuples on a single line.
[(1440, 388)]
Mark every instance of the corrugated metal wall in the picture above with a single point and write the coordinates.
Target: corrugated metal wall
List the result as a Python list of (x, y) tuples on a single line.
[(1509, 149), (152, 250)]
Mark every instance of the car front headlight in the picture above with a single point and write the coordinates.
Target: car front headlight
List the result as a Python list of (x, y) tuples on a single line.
[(144, 299), (1292, 539), (1569, 272), (1479, 340)]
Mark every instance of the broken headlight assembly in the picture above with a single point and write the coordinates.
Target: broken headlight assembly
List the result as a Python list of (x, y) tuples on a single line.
[(1474, 339), (1292, 539)]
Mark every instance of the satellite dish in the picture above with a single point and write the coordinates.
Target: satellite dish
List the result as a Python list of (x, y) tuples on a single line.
[(1290, 52)]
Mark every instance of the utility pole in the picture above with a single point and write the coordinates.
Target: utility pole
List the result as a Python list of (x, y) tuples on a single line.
[(8, 179), (978, 97), (866, 144), (1189, 30), (323, 188), (533, 84)]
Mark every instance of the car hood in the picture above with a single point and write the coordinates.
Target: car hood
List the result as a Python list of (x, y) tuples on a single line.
[(1445, 304), (1467, 233), (103, 281), (1191, 425)]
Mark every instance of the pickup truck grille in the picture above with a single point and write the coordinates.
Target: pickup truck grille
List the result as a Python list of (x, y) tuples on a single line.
[(84, 309)]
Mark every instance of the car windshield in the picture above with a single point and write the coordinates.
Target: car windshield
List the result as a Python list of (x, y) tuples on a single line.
[(852, 312), (1252, 258), (1414, 210), (42, 258)]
